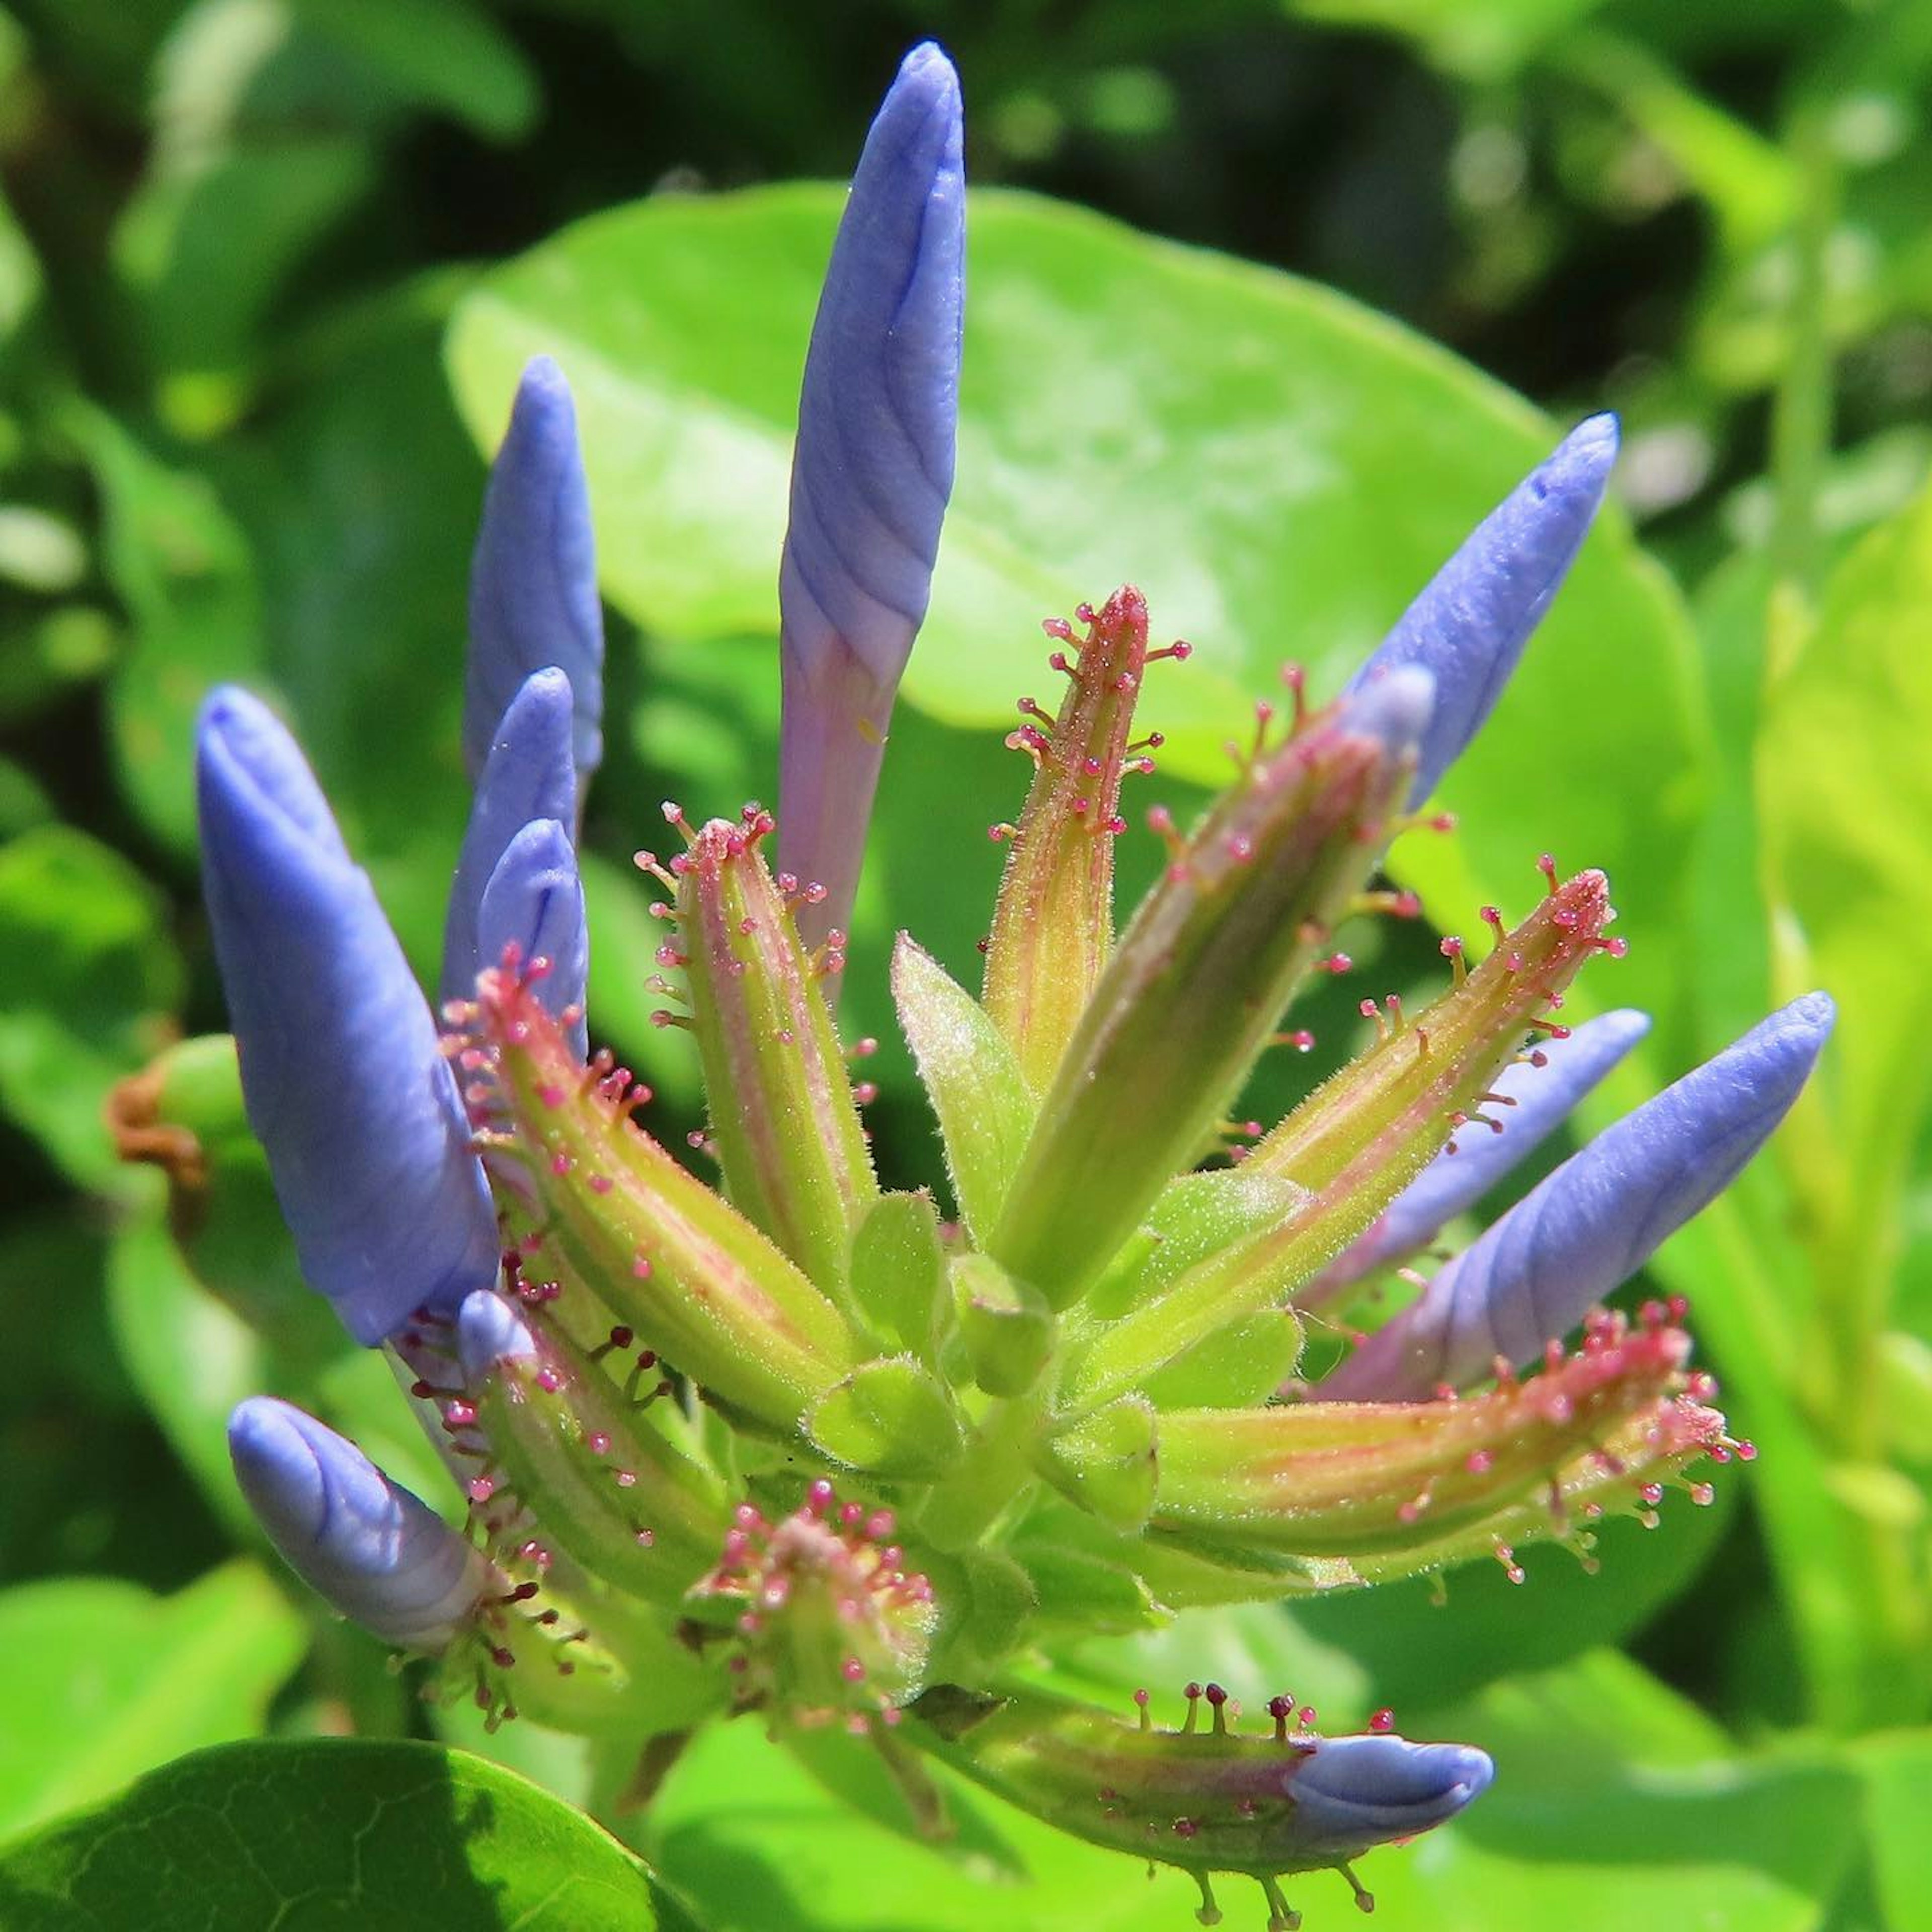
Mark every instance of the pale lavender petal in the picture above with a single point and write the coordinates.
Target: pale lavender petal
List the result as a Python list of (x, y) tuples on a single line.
[(1470, 624), (1452, 1183), (342, 1074), (533, 578), (361, 1542), (871, 473), (1594, 1222), (535, 901), (528, 775)]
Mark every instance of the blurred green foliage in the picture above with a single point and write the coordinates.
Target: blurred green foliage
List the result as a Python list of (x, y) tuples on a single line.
[(267, 270)]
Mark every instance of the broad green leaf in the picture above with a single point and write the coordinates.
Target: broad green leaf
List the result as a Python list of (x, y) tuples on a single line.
[(1897, 1768), (1278, 470), (102, 1681), (209, 243), (22, 802), (449, 56), (1845, 799), (1488, 41), (89, 982), (181, 566), (388, 1837), (977, 1090)]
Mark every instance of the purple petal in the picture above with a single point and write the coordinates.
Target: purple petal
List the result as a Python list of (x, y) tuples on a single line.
[(1595, 1221), (1452, 1183), (533, 578), (527, 775), (490, 1331), (366, 1544), (535, 901), (871, 473), (1351, 1793), (1470, 624), (343, 1076)]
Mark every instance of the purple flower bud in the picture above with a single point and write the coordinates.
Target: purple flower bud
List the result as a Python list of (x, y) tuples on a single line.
[(1354, 1792), (1595, 1221), (1543, 1097), (342, 1075), (374, 1551), (533, 578), (871, 474), (489, 1331), (527, 775), (535, 901), (1470, 624)]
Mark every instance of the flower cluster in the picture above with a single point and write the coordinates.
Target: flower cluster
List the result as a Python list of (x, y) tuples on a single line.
[(1083, 1402)]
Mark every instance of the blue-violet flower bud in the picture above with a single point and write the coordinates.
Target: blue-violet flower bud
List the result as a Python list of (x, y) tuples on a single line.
[(527, 775), (1595, 1221), (871, 474), (1531, 1099), (533, 578), (1470, 623), (343, 1077), (534, 902), (374, 1551)]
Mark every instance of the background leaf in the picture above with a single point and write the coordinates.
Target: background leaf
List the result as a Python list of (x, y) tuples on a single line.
[(387, 1837), (103, 1681), (1266, 511)]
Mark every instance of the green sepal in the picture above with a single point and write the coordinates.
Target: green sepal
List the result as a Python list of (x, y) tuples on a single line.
[(989, 1605), (582, 1456), (1394, 1488), (787, 1130), (1053, 922), (1193, 1218), (1086, 1592), (893, 1417), (1106, 1462), (665, 1254), (1361, 1137), (979, 1097), (1235, 1367), (1007, 1327), (899, 1273), (1192, 996)]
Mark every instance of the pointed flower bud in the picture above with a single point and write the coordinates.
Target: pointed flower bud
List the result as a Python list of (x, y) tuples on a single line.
[(668, 1258), (342, 1071), (1433, 1479), (1595, 1222), (871, 474), (573, 1447), (1531, 1099), (1469, 625), (1053, 924), (527, 775), (378, 1554), (534, 903), (1196, 985), (786, 1127), (1357, 1140), (1207, 1801), (533, 579), (834, 1627)]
